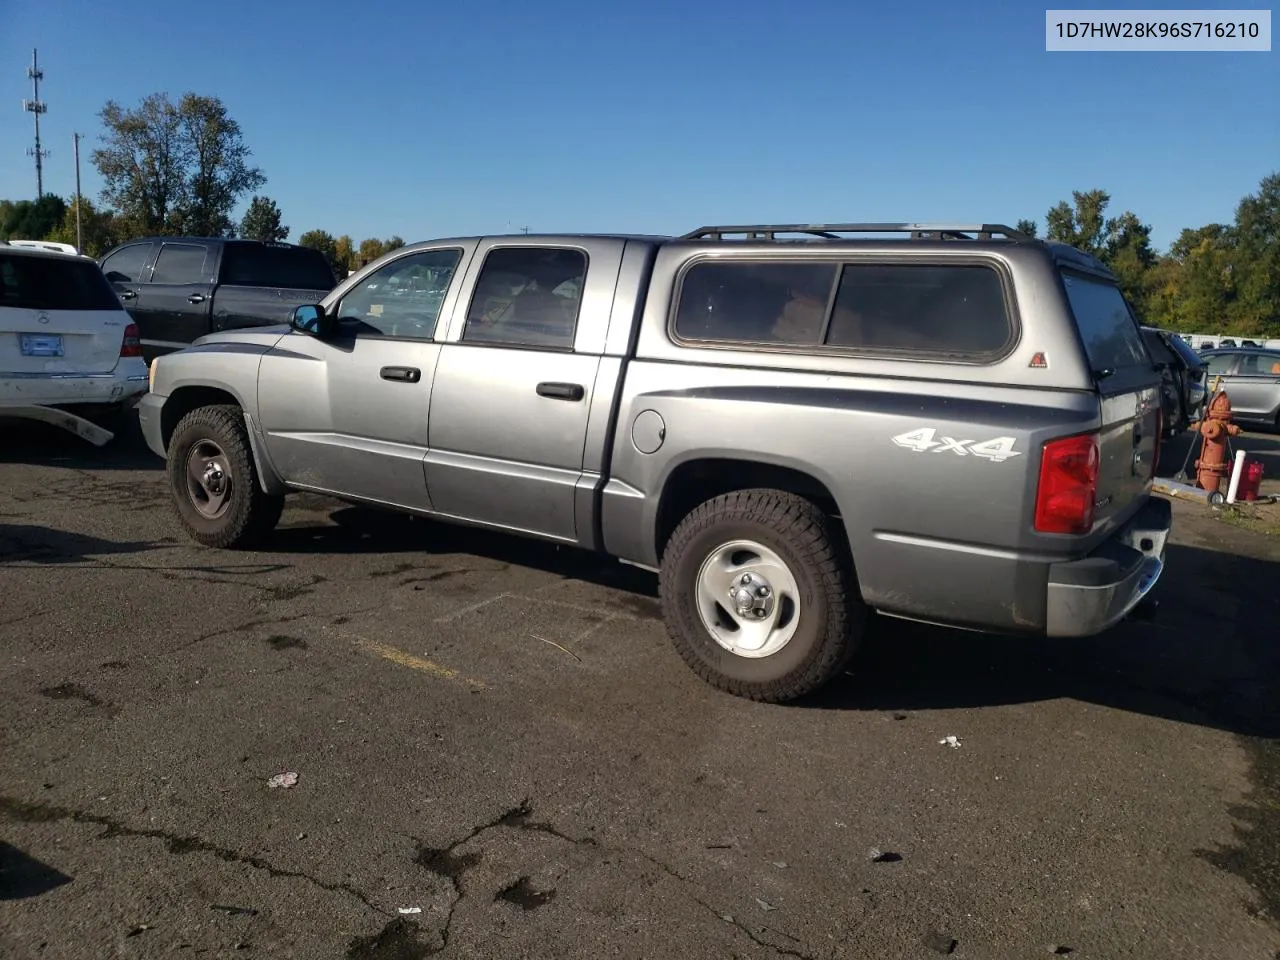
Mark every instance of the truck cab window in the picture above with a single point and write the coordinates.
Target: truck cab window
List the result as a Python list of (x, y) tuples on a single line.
[(179, 263), (403, 298), (528, 297)]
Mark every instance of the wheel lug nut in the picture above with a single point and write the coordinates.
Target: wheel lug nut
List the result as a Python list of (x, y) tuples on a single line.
[(762, 591), (746, 578)]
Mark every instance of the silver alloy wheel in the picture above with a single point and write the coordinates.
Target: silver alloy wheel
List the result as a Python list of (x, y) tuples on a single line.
[(748, 599), (208, 479)]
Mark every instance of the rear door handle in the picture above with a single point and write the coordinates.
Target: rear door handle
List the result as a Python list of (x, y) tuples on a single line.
[(196, 298), (562, 391), (401, 374)]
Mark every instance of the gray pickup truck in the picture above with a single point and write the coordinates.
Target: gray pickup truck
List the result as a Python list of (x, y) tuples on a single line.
[(793, 425)]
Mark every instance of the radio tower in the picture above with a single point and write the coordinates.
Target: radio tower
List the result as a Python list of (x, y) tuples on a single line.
[(36, 106)]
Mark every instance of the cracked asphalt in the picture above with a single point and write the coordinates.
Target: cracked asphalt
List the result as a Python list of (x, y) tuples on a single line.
[(499, 755)]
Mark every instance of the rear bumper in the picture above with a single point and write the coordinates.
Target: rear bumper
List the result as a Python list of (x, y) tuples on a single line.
[(149, 408), (1089, 595), (123, 385)]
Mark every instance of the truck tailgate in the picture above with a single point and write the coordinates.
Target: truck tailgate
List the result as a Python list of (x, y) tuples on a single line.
[(1129, 398)]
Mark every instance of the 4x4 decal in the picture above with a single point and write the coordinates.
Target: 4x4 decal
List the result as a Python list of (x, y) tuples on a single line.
[(997, 450)]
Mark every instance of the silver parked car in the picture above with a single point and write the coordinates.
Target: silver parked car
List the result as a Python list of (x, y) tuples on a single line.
[(1251, 377), (793, 425)]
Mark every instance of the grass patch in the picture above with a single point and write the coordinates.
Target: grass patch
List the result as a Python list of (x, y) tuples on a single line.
[(1264, 518)]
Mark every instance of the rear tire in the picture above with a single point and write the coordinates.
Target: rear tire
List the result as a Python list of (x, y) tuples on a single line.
[(214, 481), (807, 622)]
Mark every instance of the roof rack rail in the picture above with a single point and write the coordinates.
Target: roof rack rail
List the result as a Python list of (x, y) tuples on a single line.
[(832, 231)]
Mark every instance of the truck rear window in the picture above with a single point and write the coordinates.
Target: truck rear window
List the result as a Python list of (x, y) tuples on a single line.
[(1110, 333), (54, 283), (299, 268)]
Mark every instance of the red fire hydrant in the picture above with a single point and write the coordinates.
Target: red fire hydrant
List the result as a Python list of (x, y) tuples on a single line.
[(1213, 464)]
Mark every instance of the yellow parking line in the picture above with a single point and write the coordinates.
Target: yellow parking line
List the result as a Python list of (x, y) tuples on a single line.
[(414, 663)]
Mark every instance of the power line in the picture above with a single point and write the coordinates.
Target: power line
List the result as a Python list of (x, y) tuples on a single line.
[(36, 106)]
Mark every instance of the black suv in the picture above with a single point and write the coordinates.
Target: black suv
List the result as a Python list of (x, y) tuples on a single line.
[(177, 289)]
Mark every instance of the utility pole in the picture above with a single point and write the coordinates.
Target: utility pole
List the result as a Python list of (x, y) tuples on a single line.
[(79, 238), (36, 106)]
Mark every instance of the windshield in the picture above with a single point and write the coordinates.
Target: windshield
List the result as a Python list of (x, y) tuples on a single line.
[(54, 283), (1109, 331), (251, 265)]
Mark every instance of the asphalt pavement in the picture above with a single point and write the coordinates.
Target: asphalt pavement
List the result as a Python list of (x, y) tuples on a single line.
[(498, 754)]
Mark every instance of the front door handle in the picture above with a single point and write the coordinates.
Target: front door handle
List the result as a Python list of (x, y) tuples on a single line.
[(401, 374), (128, 295), (562, 391), (196, 298)]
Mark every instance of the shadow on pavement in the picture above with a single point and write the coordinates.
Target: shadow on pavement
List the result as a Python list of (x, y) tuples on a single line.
[(366, 530), (25, 441), (21, 542), (23, 876), (1210, 658)]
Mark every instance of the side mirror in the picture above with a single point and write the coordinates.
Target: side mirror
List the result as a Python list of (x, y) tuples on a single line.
[(312, 320)]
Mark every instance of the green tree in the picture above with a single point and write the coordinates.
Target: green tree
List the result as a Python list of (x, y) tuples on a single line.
[(174, 167), (31, 219), (369, 250), (262, 221), (372, 248), (1028, 227), (1083, 224), (1256, 264), (143, 161), (219, 173), (1197, 285), (1127, 251), (345, 256), (99, 228), (323, 241)]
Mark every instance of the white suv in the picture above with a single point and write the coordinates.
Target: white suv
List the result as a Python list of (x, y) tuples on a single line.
[(68, 348)]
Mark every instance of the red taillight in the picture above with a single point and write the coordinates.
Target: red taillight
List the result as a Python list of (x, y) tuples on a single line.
[(1068, 485), (131, 346)]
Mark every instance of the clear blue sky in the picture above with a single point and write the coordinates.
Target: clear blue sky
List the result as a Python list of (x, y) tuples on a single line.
[(434, 118)]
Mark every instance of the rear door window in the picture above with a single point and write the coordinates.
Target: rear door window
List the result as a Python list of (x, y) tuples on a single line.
[(1260, 365), (527, 297), (54, 283), (179, 263), (1111, 336)]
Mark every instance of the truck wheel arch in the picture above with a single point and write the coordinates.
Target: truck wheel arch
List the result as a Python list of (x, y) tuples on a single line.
[(187, 398), (697, 480)]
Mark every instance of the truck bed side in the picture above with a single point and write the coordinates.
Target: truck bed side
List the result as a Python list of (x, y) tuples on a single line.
[(939, 531)]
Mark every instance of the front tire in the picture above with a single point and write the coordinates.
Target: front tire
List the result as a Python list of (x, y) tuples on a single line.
[(214, 481), (758, 597)]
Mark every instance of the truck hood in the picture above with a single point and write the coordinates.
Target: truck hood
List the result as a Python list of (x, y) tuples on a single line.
[(257, 336)]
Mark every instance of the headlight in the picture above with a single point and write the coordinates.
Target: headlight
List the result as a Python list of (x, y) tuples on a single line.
[(151, 375)]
